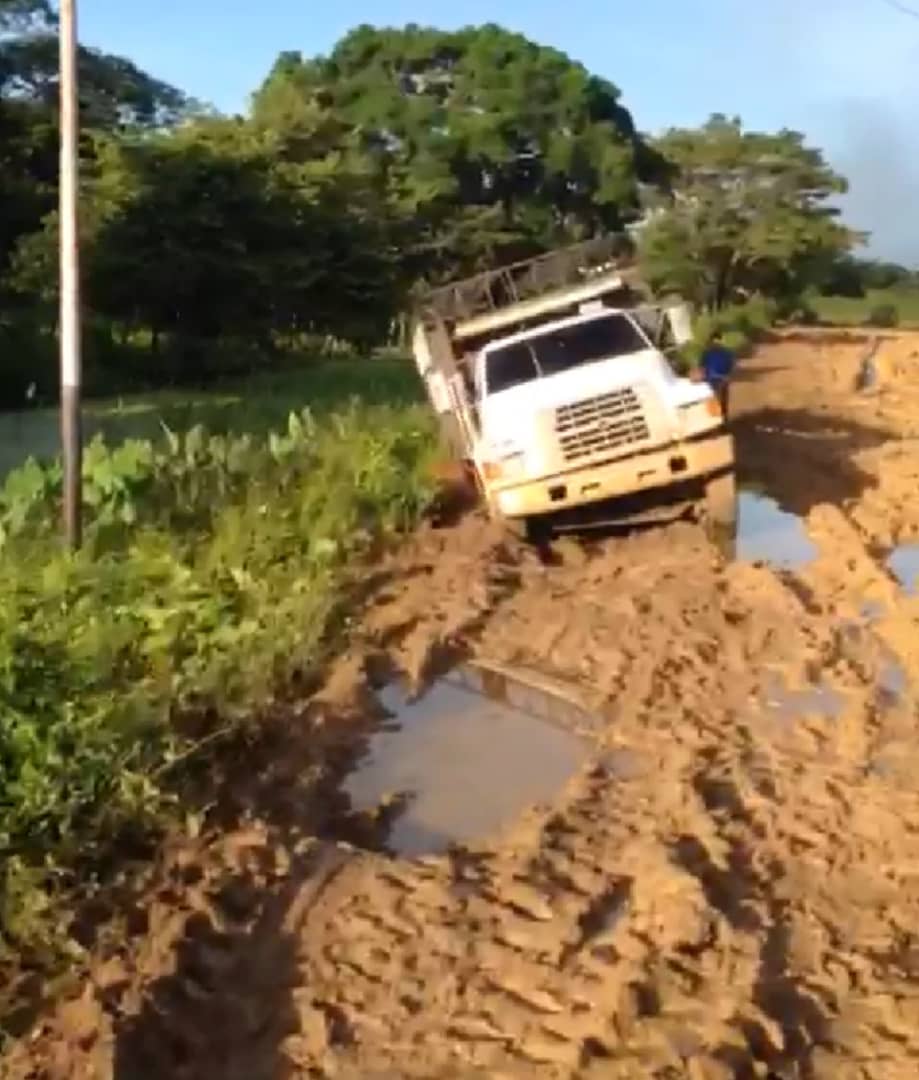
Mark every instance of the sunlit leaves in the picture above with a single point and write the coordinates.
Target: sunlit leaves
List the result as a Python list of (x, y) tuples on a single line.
[(750, 212)]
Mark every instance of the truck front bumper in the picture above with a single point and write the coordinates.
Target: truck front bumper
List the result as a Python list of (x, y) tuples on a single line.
[(673, 464)]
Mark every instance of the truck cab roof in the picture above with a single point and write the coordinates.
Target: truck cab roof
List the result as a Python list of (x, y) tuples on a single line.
[(558, 324)]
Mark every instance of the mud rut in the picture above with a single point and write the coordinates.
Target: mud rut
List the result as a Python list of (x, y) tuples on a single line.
[(728, 889)]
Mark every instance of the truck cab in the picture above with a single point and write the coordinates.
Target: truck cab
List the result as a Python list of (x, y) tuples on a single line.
[(567, 407)]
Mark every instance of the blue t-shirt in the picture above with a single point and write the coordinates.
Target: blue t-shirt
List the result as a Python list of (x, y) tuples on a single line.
[(717, 363)]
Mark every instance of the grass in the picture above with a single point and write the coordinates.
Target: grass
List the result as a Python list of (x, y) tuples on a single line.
[(253, 405), (855, 311)]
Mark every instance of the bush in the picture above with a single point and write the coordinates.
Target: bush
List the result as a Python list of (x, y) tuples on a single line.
[(883, 315), (796, 309), (741, 326), (210, 571)]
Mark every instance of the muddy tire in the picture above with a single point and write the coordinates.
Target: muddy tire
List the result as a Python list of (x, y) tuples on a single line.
[(529, 530), (720, 513), (457, 491)]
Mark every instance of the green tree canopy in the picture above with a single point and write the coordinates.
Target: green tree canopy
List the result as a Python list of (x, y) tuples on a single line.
[(205, 233), (17, 15), (403, 157), (114, 95), (114, 92), (486, 144), (748, 212)]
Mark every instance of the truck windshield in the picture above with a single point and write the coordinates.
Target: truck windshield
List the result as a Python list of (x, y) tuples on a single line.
[(560, 349)]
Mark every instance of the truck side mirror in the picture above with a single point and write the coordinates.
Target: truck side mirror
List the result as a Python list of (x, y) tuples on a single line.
[(679, 318)]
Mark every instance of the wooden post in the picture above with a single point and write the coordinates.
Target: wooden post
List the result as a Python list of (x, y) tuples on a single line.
[(70, 335)]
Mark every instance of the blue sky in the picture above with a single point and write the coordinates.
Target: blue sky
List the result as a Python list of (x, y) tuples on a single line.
[(846, 72)]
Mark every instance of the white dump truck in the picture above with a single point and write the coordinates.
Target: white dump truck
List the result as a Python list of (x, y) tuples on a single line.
[(551, 379)]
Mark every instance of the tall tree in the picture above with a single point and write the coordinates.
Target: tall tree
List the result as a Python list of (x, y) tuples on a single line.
[(209, 233), (115, 95), (18, 15), (114, 92), (748, 212), (487, 145)]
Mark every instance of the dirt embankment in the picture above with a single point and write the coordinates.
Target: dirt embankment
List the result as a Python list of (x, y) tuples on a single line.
[(730, 886)]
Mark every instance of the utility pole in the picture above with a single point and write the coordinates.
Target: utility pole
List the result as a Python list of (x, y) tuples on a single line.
[(70, 334)]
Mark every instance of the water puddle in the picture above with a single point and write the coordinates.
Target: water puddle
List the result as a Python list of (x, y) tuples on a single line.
[(893, 683), (873, 611), (819, 700), (465, 759), (783, 703), (904, 565), (767, 533)]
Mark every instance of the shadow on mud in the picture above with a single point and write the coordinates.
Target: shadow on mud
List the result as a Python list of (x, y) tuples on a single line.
[(212, 990), (227, 1004), (746, 373), (801, 458), (227, 1008)]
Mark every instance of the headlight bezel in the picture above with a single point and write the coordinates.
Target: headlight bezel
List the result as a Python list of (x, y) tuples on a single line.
[(504, 468), (701, 415)]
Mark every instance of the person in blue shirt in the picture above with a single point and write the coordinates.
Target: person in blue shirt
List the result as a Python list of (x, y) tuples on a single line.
[(717, 364)]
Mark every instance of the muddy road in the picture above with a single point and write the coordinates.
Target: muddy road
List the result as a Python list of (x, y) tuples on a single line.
[(700, 859)]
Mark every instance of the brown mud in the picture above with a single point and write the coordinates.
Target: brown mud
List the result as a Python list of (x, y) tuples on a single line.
[(728, 887)]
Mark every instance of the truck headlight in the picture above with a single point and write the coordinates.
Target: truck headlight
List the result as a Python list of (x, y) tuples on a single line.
[(700, 414), (508, 467)]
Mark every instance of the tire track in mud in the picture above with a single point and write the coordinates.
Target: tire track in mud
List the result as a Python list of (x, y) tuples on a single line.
[(727, 889)]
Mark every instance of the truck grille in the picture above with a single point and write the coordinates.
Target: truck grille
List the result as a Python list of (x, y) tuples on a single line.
[(600, 424)]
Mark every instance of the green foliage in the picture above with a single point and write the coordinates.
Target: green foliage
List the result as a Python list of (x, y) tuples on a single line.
[(886, 275), (114, 93), (208, 234), (883, 315), (253, 405), (740, 325), (485, 145), (852, 277), (403, 157), (749, 213), (23, 14), (852, 311), (844, 276), (218, 593), (115, 96), (28, 164)]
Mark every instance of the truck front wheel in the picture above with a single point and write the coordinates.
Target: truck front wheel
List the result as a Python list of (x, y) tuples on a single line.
[(535, 530)]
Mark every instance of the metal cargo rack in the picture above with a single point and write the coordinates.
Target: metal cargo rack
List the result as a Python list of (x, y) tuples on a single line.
[(479, 304)]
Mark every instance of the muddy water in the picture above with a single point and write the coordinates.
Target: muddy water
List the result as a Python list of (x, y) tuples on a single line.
[(467, 758), (893, 683), (904, 565), (785, 703), (767, 533)]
